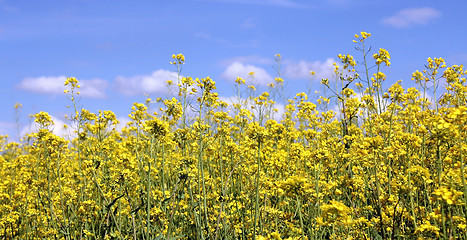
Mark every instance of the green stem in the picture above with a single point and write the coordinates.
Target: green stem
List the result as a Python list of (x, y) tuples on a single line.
[(258, 162)]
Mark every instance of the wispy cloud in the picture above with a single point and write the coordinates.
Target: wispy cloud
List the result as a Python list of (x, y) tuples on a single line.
[(274, 3), (93, 88), (203, 35), (154, 83), (238, 69), (412, 16), (301, 69)]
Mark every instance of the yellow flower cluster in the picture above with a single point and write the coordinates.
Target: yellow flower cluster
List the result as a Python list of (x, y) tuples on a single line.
[(382, 56), (179, 59)]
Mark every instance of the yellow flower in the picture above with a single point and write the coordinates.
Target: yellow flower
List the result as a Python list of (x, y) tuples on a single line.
[(44, 119), (275, 236), (240, 80), (365, 35)]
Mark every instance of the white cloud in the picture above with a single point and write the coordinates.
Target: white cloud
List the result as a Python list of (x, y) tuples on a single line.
[(301, 70), (94, 88), (57, 129), (412, 16), (154, 83), (122, 121), (237, 69), (241, 66), (247, 103), (52, 85), (253, 59)]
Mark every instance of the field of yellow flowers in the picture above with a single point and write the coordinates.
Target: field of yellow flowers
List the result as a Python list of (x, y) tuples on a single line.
[(382, 163)]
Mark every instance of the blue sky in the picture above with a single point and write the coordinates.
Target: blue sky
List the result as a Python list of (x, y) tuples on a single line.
[(120, 50)]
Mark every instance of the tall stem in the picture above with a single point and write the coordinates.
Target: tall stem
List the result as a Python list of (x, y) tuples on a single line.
[(258, 162)]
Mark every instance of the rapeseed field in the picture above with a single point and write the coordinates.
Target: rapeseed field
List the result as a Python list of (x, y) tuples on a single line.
[(363, 162)]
